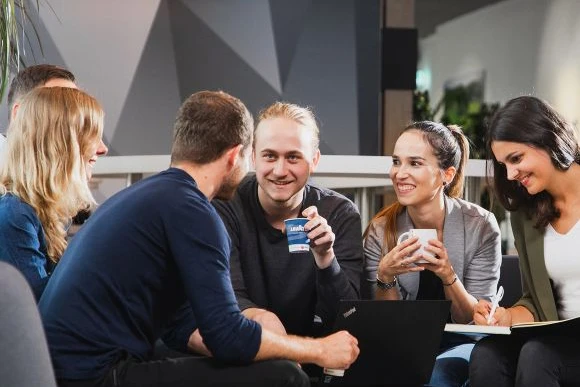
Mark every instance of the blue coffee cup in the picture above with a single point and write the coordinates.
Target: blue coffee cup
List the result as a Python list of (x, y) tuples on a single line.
[(298, 242)]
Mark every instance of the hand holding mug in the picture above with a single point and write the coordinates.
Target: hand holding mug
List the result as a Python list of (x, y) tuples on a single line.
[(436, 260), (399, 260), (424, 235)]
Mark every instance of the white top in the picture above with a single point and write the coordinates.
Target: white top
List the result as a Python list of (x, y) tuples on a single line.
[(562, 257)]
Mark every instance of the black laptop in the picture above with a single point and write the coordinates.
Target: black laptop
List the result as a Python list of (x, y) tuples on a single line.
[(398, 341)]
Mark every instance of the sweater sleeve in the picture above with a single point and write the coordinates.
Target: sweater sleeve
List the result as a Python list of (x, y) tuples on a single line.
[(22, 244), (199, 244), (229, 217), (177, 332), (341, 280), (373, 252)]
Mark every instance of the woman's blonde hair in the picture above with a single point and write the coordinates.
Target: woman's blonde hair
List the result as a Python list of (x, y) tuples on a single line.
[(48, 145)]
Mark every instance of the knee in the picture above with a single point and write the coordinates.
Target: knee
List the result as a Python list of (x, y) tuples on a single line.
[(484, 362), (482, 353), (536, 353)]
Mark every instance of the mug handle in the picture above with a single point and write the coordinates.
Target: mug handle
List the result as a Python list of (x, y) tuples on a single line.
[(403, 236)]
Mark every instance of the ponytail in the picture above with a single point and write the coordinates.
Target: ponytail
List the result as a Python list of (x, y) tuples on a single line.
[(455, 188)]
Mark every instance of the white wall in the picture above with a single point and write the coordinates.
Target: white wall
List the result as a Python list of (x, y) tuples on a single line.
[(524, 46), (558, 76)]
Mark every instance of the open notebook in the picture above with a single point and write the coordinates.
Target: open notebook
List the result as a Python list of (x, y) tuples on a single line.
[(568, 327)]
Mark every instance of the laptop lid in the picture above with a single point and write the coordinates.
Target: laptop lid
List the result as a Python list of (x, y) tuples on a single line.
[(398, 341)]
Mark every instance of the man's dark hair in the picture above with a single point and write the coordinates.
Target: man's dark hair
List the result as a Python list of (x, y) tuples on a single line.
[(208, 124), (34, 76)]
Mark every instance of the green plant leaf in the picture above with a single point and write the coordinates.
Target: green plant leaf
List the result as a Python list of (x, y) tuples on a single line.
[(14, 15)]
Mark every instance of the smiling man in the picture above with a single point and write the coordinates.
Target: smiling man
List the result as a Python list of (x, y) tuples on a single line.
[(296, 293)]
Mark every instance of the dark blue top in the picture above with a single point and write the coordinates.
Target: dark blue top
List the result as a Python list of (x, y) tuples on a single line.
[(22, 242), (142, 254)]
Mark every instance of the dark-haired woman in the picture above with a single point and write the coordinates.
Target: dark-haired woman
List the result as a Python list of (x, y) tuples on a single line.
[(427, 174), (536, 167)]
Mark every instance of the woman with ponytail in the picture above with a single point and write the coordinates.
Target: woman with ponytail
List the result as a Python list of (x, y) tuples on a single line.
[(52, 144), (536, 175), (428, 174)]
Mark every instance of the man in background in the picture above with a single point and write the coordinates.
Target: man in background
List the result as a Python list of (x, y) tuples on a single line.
[(43, 75)]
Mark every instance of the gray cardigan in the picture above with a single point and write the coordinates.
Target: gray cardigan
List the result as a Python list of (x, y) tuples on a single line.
[(471, 236)]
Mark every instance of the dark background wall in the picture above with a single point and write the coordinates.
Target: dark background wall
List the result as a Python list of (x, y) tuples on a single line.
[(142, 58)]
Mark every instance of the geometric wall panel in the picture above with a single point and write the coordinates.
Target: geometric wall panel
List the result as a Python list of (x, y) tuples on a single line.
[(155, 86), (252, 41), (141, 59)]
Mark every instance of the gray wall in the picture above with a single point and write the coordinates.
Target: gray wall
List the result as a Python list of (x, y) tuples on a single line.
[(142, 58)]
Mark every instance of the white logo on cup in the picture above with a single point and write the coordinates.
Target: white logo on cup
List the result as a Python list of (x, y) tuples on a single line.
[(424, 234), (298, 241)]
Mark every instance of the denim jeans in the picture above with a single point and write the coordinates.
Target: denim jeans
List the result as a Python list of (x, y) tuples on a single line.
[(452, 364)]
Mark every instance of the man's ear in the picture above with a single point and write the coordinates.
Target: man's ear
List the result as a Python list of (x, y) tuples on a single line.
[(232, 156), (315, 160), (13, 111)]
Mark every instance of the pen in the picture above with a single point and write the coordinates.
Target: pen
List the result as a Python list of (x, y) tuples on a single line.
[(495, 302)]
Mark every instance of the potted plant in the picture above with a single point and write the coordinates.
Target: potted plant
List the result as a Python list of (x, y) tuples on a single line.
[(460, 109), (13, 17)]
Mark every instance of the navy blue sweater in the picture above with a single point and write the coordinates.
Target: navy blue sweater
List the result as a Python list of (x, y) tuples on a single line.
[(141, 255)]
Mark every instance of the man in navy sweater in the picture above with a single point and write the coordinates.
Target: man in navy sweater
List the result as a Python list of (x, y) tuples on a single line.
[(156, 245)]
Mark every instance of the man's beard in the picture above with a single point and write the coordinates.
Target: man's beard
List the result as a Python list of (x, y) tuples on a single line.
[(230, 184)]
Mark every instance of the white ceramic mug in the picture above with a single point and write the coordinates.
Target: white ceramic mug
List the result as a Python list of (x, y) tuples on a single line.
[(424, 234)]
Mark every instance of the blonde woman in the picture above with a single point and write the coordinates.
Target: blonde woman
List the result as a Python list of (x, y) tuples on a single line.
[(52, 144)]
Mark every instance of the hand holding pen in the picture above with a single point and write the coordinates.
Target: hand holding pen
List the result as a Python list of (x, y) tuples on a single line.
[(495, 303), (489, 313)]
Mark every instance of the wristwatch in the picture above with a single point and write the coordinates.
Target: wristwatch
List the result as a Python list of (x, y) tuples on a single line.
[(386, 285)]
